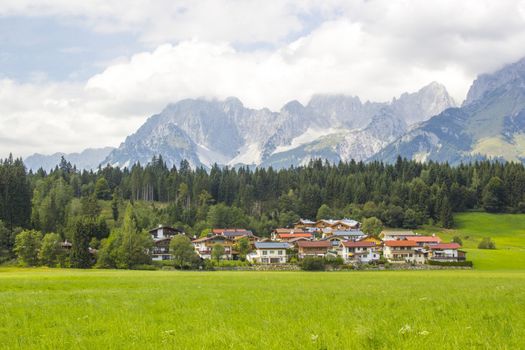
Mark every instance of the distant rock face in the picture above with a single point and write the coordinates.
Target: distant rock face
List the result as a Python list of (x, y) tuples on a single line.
[(88, 159), (489, 124), (335, 127)]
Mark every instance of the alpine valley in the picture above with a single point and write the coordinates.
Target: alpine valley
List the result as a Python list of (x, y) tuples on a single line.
[(424, 125)]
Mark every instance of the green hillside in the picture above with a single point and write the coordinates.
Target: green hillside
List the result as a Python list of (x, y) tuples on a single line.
[(506, 230)]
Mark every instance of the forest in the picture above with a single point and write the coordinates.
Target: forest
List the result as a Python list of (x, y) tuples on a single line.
[(404, 194)]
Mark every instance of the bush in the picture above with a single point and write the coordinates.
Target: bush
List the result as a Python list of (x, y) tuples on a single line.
[(450, 263), (457, 240), (144, 267), (312, 264), (487, 243)]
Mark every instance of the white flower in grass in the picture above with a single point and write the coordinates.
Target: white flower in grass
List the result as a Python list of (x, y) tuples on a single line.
[(314, 337), (424, 333), (405, 329)]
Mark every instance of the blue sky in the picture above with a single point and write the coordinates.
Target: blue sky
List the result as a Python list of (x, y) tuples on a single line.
[(78, 74), (33, 48)]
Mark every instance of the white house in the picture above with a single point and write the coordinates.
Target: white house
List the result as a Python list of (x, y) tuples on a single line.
[(447, 252), (404, 251), (362, 252), (396, 235), (269, 253), (162, 236)]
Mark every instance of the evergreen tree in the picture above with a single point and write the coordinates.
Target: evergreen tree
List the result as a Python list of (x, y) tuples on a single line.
[(82, 234), (494, 196)]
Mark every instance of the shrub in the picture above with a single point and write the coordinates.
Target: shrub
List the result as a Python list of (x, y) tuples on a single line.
[(230, 263), (487, 243), (144, 267), (312, 264), (457, 240)]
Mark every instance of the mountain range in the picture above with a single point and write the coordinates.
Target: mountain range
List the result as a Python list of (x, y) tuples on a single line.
[(424, 125)]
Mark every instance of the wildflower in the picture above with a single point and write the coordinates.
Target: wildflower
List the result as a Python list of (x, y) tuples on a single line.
[(424, 333), (405, 329), (314, 337)]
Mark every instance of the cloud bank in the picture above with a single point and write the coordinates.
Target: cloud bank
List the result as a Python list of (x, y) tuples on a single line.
[(265, 55)]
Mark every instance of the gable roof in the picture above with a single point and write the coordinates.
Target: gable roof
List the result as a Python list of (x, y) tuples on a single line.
[(271, 245), (204, 239), (305, 222), (314, 244), (424, 239), (401, 243), (237, 233), (348, 233), (445, 246), (398, 233), (294, 235), (289, 230), (359, 244)]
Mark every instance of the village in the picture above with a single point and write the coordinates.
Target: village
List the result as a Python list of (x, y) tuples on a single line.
[(330, 239)]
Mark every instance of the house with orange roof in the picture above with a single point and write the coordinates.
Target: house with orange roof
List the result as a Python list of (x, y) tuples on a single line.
[(404, 251), (424, 241)]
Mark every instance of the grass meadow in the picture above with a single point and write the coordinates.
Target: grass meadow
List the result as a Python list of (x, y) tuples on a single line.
[(482, 308)]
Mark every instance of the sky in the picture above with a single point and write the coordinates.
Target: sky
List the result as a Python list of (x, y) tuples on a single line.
[(85, 74)]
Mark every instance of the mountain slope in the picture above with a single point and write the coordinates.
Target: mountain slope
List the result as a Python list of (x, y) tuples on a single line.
[(226, 132), (88, 159), (490, 123)]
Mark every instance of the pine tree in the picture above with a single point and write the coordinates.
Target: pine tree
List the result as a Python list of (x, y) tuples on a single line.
[(80, 255)]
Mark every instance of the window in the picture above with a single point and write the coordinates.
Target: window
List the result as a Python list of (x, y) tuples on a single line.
[(272, 252), (279, 252), (264, 252)]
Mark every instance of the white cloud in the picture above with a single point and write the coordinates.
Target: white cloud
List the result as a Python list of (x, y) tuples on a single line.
[(374, 49)]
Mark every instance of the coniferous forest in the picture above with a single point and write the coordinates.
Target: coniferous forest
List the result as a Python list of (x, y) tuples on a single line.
[(405, 194)]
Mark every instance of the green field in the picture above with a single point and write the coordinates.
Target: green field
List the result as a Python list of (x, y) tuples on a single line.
[(506, 230), (69, 309), (482, 308)]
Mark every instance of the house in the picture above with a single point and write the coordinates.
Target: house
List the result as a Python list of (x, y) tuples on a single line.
[(162, 236), (424, 241), (402, 251), (360, 252), (286, 231), (313, 248), (304, 223), (295, 241), (237, 233), (286, 237), (335, 240), (396, 235), (352, 235), (377, 241), (164, 232), (447, 252), (343, 224), (269, 253), (231, 231), (204, 246)]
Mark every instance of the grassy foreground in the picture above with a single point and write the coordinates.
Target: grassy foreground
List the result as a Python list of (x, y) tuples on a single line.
[(71, 309)]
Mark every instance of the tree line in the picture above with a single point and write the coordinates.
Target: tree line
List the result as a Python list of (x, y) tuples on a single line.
[(404, 194)]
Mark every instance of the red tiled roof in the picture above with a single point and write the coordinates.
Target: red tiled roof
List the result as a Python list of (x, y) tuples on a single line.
[(446, 246), (424, 239), (314, 244), (294, 235), (363, 244), (403, 243)]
